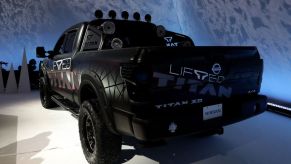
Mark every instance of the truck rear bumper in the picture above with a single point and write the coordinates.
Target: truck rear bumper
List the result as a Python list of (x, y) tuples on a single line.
[(172, 123)]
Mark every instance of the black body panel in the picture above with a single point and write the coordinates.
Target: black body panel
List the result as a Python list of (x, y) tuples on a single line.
[(147, 81), (188, 120)]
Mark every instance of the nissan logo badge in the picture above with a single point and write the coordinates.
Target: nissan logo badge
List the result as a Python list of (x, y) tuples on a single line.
[(216, 68)]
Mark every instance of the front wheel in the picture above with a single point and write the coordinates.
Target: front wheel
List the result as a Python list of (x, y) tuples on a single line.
[(45, 95), (99, 145)]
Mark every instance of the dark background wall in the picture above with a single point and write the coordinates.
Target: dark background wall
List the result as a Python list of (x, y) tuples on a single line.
[(31, 23), (263, 23)]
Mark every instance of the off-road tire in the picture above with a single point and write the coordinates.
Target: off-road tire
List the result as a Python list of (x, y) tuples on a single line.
[(45, 95), (100, 146)]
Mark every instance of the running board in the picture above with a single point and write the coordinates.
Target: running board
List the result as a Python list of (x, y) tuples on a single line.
[(66, 104)]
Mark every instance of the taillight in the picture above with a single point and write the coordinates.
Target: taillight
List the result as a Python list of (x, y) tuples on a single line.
[(136, 75), (142, 76)]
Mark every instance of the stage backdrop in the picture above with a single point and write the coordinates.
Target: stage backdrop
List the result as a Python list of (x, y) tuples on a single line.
[(263, 23), (31, 23)]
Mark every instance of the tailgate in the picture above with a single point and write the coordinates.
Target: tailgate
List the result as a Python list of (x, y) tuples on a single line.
[(195, 75)]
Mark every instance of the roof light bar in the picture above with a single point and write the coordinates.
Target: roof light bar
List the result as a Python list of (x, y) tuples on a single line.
[(148, 18), (98, 14), (112, 14), (136, 16), (124, 15)]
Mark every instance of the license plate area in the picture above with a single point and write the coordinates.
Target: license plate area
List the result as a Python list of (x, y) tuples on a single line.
[(212, 111)]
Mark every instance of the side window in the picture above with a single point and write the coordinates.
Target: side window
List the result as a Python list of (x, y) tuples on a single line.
[(69, 41), (59, 47), (93, 39), (66, 43)]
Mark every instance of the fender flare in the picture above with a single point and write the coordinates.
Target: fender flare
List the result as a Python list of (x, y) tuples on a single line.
[(43, 75), (106, 111)]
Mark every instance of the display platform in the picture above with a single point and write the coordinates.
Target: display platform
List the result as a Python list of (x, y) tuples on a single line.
[(30, 134)]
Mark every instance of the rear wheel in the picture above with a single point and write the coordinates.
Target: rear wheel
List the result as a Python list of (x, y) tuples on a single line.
[(45, 95), (100, 146)]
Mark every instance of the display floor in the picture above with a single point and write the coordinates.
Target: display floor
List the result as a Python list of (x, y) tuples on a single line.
[(30, 134)]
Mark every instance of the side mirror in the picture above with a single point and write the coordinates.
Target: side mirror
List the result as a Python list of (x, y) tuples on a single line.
[(40, 52)]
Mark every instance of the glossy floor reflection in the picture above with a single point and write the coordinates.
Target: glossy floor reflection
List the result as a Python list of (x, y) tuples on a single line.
[(30, 134)]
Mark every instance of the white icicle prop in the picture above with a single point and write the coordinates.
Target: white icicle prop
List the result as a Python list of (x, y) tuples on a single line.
[(24, 82), (11, 86), (1, 81)]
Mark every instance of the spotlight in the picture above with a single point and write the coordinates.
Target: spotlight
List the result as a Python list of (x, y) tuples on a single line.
[(187, 44), (112, 14), (98, 14), (108, 28), (148, 18), (161, 31), (124, 15), (116, 43), (136, 16)]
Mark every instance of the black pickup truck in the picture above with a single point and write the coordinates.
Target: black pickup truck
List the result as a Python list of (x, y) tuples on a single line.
[(126, 77)]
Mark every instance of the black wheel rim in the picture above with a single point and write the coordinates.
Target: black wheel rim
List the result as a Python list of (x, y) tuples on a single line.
[(88, 133)]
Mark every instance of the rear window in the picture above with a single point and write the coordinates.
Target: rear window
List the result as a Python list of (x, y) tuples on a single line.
[(92, 39), (70, 38), (133, 34)]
